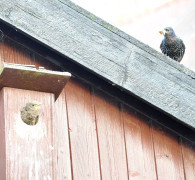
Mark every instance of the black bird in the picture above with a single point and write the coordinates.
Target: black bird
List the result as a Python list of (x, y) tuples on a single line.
[(171, 45)]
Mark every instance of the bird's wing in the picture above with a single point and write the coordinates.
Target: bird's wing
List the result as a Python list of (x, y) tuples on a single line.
[(183, 46), (182, 49), (161, 44), (162, 47)]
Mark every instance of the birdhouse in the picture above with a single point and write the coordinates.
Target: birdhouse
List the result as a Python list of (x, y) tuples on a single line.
[(126, 112), (27, 103)]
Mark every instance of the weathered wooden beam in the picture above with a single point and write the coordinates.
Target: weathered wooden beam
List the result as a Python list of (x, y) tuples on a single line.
[(29, 78), (108, 52)]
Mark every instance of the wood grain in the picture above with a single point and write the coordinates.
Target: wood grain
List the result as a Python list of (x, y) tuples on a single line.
[(168, 154), (1, 52), (14, 52), (139, 145), (82, 129), (3, 138), (61, 140), (22, 55), (29, 149), (111, 138), (188, 151), (8, 51), (105, 50)]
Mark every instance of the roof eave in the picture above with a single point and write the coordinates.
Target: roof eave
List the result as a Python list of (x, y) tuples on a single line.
[(108, 52)]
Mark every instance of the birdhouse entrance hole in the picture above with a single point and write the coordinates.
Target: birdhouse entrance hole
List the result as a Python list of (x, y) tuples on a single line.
[(30, 113)]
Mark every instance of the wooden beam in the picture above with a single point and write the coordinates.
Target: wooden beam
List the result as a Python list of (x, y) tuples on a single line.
[(30, 78), (108, 52)]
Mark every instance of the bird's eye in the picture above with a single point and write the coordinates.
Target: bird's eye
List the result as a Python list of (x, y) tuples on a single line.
[(167, 30)]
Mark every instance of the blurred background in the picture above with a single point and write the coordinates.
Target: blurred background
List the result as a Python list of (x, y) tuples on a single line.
[(143, 19)]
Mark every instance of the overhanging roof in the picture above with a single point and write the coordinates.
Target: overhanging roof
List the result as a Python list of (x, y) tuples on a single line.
[(108, 52)]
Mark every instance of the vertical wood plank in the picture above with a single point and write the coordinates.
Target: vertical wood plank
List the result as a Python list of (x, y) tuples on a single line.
[(13, 52), (1, 51), (188, 150), (8, 51), (110, 138), (39, 60), (139, 145), (82, 128), (18, 54), (22, 55), (2, 139), (61, 140), (29, 149), (167, 153)]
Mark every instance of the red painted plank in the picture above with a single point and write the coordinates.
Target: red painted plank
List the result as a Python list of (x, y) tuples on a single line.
[(16, 53), (8, 51), (22, 55), (188, 150), (13, 52), (29, 149), (1, 51), (83, 136), (139, 145), (168, 154), (2, 139), (111, 138), (61, 140)]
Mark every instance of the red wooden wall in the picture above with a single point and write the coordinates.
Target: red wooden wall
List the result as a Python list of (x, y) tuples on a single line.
[(97, 137)]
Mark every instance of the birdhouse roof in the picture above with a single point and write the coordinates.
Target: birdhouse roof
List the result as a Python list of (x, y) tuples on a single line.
[(114, 57)]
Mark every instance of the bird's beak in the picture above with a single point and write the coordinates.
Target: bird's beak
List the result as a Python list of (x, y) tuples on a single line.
[(37, 106), (162, 32)]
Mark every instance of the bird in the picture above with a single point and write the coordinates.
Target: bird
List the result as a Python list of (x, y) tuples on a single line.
[(30, 113), (172, 45)]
